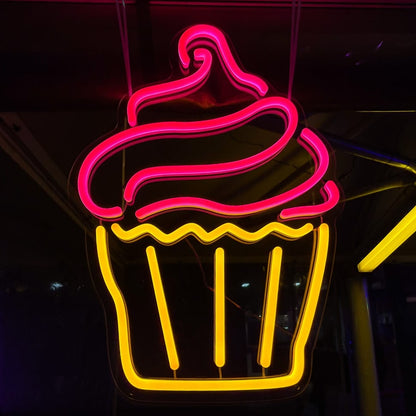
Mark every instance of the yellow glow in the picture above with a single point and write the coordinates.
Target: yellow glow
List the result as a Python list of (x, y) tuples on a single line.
[(119, 302), (396, 237), (162, 307), (301, 336), (207, 237), (268, 322), (310, 303), (219, 308)]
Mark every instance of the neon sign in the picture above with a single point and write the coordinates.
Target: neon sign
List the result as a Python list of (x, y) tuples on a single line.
[(197, 48), (403, 230)]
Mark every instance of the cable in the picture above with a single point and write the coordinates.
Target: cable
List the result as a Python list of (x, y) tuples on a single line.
[(122, 24), (294, 34), (204, 279)]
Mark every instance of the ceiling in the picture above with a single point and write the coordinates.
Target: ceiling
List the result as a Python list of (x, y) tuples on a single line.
[(62, 76)]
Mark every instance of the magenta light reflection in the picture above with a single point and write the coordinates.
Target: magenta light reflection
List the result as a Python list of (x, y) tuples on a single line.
[(218, 125), (321, 158), (174, 89), (198, 37)]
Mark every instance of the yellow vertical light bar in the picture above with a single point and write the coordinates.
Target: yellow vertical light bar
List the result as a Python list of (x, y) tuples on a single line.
[(397, 236), (314, 287), (219, 308), (162, 308), (119, 302), (268, 321)]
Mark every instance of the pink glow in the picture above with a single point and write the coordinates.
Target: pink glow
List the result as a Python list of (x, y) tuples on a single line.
[(184, 130), (174, 89), (266, 105), (199, 35), (310, 141), (322, 4), (330, 193)]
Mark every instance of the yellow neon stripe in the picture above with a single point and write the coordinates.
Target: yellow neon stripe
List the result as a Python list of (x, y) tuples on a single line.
[(223, 384), (162, 307), (268, 322), (119, 303), (206, 237), (311, 301), (219, 308), (396, 237)]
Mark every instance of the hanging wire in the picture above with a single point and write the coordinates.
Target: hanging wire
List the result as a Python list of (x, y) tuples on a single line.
[(294, 34), (122, 24)]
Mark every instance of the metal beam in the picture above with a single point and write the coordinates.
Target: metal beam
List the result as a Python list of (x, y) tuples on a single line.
[(18, 142)]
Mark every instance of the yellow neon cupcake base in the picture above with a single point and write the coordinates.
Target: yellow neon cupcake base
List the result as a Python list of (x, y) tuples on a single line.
[(303, 328)]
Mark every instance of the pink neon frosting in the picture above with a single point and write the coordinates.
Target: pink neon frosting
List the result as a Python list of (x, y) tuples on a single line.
[(199, 37)]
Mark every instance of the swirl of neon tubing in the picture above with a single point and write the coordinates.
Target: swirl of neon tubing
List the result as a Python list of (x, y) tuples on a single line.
[(168, 90), (216, 170), (184, 130), (330, 193), (199, 35), (309, 140)]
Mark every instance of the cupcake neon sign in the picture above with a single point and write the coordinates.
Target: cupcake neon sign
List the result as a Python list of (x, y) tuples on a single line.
[(197, 48)]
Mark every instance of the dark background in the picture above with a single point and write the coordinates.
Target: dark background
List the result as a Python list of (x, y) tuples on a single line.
[(61, 79)]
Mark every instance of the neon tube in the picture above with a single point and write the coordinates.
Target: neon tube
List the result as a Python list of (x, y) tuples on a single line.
[(269, 105), (219, 308), (197, 48), (195, 35), (301, 336), (199, 37), (122, 316), (174, 89), (330, 193), (199, 34), (184, 130), (405, 228), (310, 142), (208, 237), (162, 307), (268, 320)]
